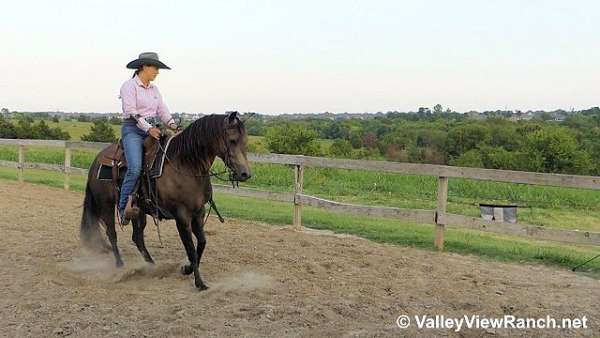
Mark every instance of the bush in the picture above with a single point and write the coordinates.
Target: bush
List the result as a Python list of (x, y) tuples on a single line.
[(115, 120), (101, 132), (295, 140), (340, 148), (555, 149), (83, 118), (471, 158)]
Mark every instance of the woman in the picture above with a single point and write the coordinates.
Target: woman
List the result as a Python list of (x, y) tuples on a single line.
[(141, 102)]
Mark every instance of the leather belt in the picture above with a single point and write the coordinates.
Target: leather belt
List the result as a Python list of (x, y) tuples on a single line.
[(150, 120)]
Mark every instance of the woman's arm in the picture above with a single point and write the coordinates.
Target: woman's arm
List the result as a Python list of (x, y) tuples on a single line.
[(164, 114)]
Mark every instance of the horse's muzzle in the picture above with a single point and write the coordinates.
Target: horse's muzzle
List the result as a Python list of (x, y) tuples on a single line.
[(243, 176)]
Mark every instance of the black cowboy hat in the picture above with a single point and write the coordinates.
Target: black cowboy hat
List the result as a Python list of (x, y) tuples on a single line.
[(148, 58)]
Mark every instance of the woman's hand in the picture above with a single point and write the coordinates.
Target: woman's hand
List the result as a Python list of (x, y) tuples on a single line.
[(154, 132)]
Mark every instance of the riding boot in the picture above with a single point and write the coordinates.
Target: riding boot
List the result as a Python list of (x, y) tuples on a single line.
[(130, 210)]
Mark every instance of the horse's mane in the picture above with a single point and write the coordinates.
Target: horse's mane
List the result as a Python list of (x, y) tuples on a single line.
[(201, 139)]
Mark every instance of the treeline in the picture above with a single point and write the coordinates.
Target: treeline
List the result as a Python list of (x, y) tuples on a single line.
[(26, 128), (570, 146)]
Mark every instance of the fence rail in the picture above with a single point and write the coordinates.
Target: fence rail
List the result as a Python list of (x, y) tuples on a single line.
[(439, 217)]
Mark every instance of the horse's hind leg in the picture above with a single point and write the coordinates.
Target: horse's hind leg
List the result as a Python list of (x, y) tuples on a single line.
[(108, 217), (139, 224)]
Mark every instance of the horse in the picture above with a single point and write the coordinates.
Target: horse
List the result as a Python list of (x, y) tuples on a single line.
[(182, 190)]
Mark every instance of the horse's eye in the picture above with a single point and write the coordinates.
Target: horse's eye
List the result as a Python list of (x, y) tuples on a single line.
[(232, 142)]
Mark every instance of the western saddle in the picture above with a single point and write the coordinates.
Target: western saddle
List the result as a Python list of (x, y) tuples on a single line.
[(113, 165)]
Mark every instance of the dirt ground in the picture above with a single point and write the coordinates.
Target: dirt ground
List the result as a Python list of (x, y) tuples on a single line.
[(265, 281)]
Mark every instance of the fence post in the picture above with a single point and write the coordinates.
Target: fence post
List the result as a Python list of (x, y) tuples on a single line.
[(21, 164), (67, 164), (298, 185), (442, 202)]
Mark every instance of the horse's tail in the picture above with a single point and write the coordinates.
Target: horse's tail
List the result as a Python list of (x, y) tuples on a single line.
[(91, 237)]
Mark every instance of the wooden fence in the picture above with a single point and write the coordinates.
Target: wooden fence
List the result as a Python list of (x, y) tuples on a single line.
[(439, 217)]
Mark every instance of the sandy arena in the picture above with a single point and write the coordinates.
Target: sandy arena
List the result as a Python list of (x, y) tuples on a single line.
[(265, 281)]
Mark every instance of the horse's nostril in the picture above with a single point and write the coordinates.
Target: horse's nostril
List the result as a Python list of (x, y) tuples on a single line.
[(244, 175)]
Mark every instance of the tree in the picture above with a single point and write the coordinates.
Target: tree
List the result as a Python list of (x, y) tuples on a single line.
[(41, 131), (292, 139), (465, 137), (83, 118), (101, 131), (340, 148), (7, 129), (424, 111), (555, 149), (115, 120), (369, 140), (336, 130), (471, 158), (438, 109), (355, 139), (24, 128)]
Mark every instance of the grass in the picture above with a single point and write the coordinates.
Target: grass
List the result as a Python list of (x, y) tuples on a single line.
[(548, 206), (77, 129), (487, 245)]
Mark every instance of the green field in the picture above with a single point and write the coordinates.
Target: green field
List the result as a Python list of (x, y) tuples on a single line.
[(77, 129), (547, 206), (489, 246)]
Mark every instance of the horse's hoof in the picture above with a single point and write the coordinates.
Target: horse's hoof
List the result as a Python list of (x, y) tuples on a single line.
[(186, 270), (202, 287), (120, 264)]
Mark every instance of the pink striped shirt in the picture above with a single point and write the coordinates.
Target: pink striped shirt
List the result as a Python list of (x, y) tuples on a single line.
[(143, 101)]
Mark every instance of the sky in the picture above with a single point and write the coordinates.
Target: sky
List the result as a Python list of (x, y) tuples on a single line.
[(304, 56)]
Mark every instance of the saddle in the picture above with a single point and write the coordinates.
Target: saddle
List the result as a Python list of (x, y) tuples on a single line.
[(113, 163)]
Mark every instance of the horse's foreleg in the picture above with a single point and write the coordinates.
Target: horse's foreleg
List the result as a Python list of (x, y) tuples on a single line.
[(185, 233), (139, 224), (198, 229)]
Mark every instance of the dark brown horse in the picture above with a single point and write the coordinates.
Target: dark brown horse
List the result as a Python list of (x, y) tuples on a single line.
[(183, 189)]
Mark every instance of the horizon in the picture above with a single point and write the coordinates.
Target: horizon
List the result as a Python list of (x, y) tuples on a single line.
[(319, 113), (305, 58)]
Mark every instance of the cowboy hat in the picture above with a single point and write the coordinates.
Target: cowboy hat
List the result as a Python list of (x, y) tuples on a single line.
[(147, 58)]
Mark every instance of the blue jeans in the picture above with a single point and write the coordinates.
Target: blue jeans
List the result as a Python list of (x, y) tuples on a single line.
[(133, 141)]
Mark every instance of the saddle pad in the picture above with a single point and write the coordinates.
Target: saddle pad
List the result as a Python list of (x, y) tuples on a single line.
[(159, 162), (105, 172)]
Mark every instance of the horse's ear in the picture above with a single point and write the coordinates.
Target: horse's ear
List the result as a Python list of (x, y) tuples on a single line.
[(232, 117)]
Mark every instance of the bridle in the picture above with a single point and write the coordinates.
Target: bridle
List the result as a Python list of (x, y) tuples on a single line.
[(227, 158)]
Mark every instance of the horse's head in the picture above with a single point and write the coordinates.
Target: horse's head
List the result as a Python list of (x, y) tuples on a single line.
[(233, 152)]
